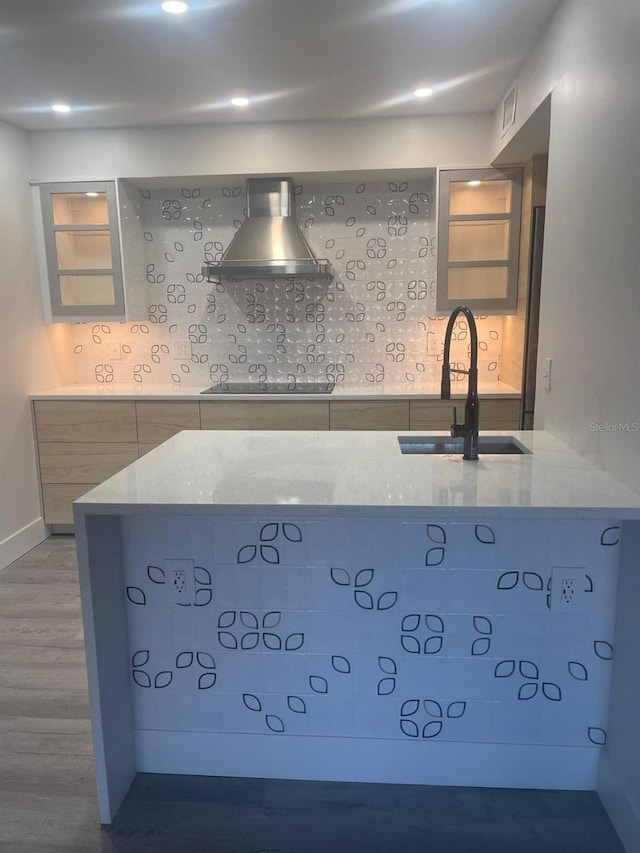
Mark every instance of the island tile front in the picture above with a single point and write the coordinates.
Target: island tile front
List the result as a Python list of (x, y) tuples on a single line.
[(400, 644)]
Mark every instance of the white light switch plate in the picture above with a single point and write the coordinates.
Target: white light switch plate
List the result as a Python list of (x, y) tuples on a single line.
[(547, 374)]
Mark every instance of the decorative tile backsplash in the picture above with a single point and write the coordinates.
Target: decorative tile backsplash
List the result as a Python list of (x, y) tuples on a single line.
[(497, 633), (375, 322)]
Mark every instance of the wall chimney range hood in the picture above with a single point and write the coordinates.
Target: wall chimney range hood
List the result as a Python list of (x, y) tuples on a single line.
[(269, 242)]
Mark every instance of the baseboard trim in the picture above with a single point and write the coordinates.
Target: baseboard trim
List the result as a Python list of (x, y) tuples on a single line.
[(366, 760), (621, 813), (14, 546), (63, 529)]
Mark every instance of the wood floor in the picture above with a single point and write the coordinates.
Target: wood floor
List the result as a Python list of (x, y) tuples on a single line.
[(47, 792)]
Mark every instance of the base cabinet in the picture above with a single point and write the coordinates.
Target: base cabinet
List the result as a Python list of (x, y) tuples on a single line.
[(71, 462), (82, 443), (369, 414), (438, 414), (265, 414), (57, 500), (156, 422), (80, 421), (312, 667)]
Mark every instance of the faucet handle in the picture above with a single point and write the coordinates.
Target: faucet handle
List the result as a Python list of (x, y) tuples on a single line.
[(454, 425), (457, 429)]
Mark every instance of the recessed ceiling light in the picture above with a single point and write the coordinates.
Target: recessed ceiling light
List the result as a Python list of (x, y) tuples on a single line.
[(474, 183), (61, 108), (92, 195), (174, 7), (423, 93), (239, 102)]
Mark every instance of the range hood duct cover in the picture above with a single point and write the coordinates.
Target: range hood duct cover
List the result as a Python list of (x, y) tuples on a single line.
[(269, 241)]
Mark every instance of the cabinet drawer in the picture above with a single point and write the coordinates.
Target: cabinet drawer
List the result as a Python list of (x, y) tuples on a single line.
[(499, 414), (434, 414), (159, 421), (147, 447), (264, 415), (438, 414), (83, 463), (57, 499), (63, 420), (369, 415)]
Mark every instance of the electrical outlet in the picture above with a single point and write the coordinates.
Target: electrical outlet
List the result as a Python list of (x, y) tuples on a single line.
[(547, 374), (114, 351), (567, 591), (182, 350), (179, 581), (571, 590)]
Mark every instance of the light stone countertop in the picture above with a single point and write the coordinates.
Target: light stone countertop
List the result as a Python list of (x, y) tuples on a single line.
[(160, 391), (332, 473)]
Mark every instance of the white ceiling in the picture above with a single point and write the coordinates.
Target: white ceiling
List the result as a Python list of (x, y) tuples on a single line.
[(125, 62)]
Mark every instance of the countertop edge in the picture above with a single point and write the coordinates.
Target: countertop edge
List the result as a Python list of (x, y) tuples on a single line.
[(315, 473), (189, 396), (406, 512)]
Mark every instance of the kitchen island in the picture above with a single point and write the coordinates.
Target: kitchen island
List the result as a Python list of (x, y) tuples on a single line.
[(87, 433), (317, 605)]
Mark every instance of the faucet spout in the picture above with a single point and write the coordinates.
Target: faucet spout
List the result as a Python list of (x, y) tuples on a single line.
[(469, 429)]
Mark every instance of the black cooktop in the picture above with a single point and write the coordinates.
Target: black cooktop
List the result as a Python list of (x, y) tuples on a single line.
[(271, 388)]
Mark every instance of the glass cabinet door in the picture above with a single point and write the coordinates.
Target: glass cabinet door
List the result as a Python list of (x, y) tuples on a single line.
[(478, 239), (83, 249)]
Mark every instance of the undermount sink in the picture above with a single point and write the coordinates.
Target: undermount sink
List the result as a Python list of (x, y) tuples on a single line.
[(442, 445)]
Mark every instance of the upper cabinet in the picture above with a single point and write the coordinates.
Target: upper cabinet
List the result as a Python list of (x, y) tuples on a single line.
[(478, 239), (82, 251)]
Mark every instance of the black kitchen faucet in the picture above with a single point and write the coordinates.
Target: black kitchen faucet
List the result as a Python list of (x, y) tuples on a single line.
[(469, 429)]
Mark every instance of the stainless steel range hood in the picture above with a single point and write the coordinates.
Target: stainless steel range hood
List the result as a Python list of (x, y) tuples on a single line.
[(269, 242)]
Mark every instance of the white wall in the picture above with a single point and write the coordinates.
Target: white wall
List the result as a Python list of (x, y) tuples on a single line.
[(26, 352), (34, 356), (590, 310), (289, 147), (619, 777)]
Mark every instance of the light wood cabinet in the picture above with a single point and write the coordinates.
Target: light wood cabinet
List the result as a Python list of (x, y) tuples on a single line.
[(82, 462), (499, 414), (82, 443), (57, 500), (437, 415), (264, 415), (369, 414), (432, 414), (92, 421), (159, 421), (147, 447)]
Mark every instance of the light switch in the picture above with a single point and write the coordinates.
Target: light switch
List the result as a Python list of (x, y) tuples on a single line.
[(547, 374)]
